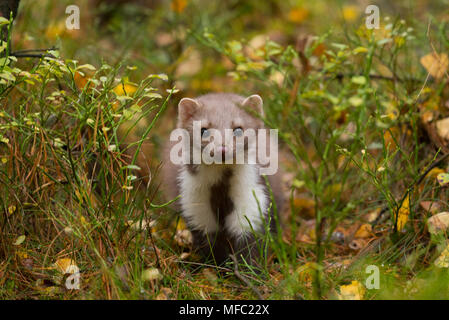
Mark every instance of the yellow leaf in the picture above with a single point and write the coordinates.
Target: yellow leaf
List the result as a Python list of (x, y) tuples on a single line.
[(403, 214), (66, 265), (443, 260), (436, 64), (350, 13), (55, 30), (181, 225), (306, 272), (435, 172), (304, 207), (81, 80), (353, 291), (364, 231), (443, 179), (298, 15), (125, 89), (11, 209), (178, 6), (390, 138)]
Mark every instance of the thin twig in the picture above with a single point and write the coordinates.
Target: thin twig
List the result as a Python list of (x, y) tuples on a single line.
[(31, 55), (243, 279), (36, 50)]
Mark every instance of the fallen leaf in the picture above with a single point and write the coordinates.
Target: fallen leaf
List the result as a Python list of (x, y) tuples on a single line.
[(184, 255), (210, 275), (66, 265), (443, 179), (443, 260), (403, 214), (298, 15), (443, 128), (81, 80), (151, 274), (304, 207), (390, 138), (352, 291), (435, 172), (438, 223), (125, 89), (305, 273), (435, 64), (184, 238), (19, 240), (165, 294), (178, 6), (365, 231), (373, 215), (11, 209), (140, 225), (430, 206), (350, 13)]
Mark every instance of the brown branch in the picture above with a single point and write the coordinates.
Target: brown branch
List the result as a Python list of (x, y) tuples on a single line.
[(243, 279)]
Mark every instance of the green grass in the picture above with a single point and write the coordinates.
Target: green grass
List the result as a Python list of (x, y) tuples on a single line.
[(80, 158)]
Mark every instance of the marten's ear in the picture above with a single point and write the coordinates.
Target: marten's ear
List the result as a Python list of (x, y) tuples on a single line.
[(254, 103), (186, 109)]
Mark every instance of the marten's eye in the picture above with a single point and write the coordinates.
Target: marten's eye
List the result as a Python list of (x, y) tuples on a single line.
[(238, 132), (205, 132)]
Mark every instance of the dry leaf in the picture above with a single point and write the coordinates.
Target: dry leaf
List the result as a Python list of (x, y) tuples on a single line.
[(436, 64), (430, 206), (365, 231), (350, 13), (81, 80), (151, 274), (66, 265), (438, 223), (165, 294), (19, 240), (403, 214), (178, 6), (125, 89), (184, 255), (298, 15), (304, 207), (443, 260), (353, 291), (443, 128), (140, 225), (184, 238)]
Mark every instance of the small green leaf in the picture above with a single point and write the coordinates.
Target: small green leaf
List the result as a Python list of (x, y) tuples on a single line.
[(20, 240)]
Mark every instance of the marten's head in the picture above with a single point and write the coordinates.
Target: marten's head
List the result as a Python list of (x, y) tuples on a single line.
[(225, 125)]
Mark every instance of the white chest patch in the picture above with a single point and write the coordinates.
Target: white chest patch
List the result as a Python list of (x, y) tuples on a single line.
[(247, 194)]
